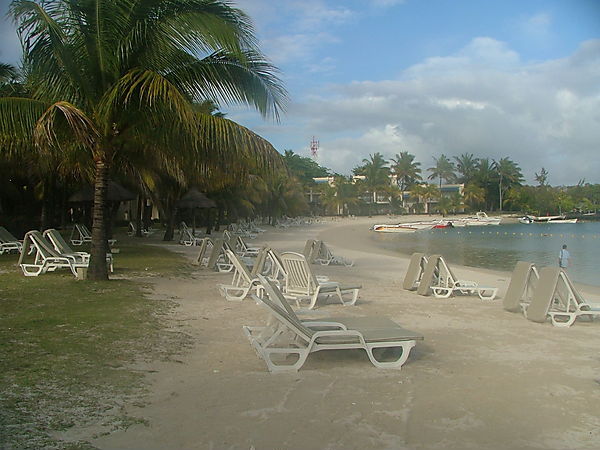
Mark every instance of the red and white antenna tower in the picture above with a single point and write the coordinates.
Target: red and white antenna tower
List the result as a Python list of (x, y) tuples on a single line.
[(314, 147)]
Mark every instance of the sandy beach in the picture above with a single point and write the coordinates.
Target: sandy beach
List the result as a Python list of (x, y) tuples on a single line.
[(483, 378)]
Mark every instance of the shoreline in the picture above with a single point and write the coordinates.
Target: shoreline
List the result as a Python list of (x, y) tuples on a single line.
[(474, 382)]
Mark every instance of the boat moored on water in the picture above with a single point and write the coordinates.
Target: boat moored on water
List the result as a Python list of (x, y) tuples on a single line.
[(547, 219), (408, 227), (480, 219)]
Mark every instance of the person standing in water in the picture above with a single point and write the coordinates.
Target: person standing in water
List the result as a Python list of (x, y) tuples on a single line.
[(564, 257)]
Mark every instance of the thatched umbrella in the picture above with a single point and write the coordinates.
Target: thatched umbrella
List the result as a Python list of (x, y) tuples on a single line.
[(116, 193), (195, 199)]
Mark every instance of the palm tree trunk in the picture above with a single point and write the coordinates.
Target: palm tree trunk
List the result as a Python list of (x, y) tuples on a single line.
[(97, 269), (138, 219)]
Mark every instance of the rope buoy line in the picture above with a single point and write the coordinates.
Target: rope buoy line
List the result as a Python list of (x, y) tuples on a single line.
[(507, 233)]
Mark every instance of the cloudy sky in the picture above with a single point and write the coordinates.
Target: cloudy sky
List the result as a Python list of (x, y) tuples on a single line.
[(510, 78)]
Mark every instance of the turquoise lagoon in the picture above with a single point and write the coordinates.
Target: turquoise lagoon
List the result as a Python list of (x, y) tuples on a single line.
[(500, 247)]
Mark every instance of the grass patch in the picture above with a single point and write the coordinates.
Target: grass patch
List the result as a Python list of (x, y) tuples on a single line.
[(67, 346)]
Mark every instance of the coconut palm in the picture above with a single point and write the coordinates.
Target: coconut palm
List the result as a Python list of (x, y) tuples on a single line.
[(339, 198), (406, 169), (442, 170), (473, 195), (466, 166), (509, 174), (376, 172), (109, 73)]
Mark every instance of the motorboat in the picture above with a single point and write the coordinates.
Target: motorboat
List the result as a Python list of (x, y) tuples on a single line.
[(480, 219), (407, 227), (526, 219), (553, 219)]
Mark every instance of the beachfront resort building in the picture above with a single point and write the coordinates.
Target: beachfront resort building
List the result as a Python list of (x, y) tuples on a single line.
[(409, 201)]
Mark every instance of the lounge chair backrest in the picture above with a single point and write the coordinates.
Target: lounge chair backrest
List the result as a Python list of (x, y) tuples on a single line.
[(523, 279), (239, 265), (6, 236), (42, 247), (277, 268), (300, 278), (206, 245), (308, 249), (260, 261), (85, 232), (217, 250), (577, 297), (416, 268), (57, 241), (226, 236), (277, 304), (427, 279), (543, 294)]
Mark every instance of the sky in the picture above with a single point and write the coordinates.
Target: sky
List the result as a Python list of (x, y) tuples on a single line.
[(510, 78)]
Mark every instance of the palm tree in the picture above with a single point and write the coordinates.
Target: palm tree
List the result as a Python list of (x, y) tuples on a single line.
[(338, 198), (376, 171), (406, 169), (542, 177), (484, 177), (473, 195), (466, 166), (443, 170), (509, 174), (106, 74)]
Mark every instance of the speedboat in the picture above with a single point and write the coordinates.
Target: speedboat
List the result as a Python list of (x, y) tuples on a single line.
[(526, 219), (407, 227)]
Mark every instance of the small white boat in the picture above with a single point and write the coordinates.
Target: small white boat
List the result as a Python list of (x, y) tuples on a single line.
[(407, 227), (553, 219), (480, 219), (526, 219)]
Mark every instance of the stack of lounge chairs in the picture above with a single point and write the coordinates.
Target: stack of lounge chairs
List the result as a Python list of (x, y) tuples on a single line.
[(9, 243), (317, 252), (433, 275), (547, 294)]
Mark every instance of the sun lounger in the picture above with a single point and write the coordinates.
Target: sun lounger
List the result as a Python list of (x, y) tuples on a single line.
[(242, 249), (323, 255), (132, 230), (286, 335), (80, 234), (556, 297), (204, 252), (521, 287), (186, 237), (301, 284), (9, 243), (218, 260), (415, 271), (445, 283), (309, 250), (43, 257), (242, 282), (61, 246)]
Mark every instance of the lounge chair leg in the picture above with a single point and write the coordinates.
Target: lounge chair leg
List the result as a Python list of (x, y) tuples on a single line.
[(397, 364)]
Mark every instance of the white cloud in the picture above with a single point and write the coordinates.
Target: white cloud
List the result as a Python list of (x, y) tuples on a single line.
[(482, 100)]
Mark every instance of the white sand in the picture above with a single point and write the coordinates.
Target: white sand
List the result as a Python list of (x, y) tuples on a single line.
[(482, 379)]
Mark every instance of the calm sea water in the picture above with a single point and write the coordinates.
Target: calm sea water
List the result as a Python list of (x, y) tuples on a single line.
[(500, 247)]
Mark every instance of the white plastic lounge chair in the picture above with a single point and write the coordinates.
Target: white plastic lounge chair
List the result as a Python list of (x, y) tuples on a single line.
[(309, 250), (132, 231), (204, 252), (556, 297), (445, 283), (61, 246), (44, 257), (301, 284), (521, 287), (217, 259), (242, 249), (324, 256), (414, 273), (186, 237), (242, 282), (81, 234), (287, 336), (9, 243)]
